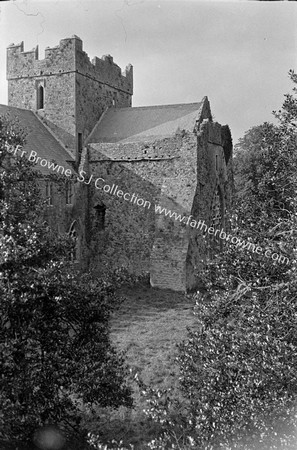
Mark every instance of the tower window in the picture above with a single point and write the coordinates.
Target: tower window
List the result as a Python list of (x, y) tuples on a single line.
[(49, 193), (217, 163), (40, 97), (69, 193)]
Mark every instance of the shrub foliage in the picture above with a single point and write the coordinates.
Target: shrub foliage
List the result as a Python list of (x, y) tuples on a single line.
[(54, 338), (238, 369)]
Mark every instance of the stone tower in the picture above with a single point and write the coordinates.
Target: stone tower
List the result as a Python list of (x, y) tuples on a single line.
[(67, 90)]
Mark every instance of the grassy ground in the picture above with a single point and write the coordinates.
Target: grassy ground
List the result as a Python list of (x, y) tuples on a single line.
[(147, 327)]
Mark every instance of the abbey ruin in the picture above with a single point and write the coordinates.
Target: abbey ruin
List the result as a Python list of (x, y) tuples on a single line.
[(125, 162)]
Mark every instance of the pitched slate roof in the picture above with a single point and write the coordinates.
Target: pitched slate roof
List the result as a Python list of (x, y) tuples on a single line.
[(144, 123), (39, 139)]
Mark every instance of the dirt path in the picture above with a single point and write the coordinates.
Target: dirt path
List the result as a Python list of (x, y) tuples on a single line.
[(148, 325)]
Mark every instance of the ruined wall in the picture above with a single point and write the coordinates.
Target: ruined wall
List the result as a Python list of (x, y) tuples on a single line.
[(76, 90), (168, 257), (127, 236), (181, 174), (214, 170), (162, 172), (136, 168)]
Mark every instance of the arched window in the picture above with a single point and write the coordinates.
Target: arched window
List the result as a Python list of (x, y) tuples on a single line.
[(73, 234), (40, 97)]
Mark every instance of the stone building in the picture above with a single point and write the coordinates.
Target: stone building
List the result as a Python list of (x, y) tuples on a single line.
[(144, 186)]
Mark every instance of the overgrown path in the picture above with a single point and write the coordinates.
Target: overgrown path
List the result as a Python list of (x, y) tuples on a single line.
[(147, 327)]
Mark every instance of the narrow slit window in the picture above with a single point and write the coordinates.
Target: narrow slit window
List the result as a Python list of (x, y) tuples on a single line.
[(40, 97), (69, 193), (49, 193)]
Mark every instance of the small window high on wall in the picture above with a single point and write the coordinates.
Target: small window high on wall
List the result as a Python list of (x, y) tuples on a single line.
[(40, 97)]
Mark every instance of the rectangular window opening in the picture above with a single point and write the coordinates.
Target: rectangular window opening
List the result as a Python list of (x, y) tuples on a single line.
[(69, 193)]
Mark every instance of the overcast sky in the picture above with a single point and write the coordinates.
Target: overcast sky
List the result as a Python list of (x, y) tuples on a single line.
[(237, 53)]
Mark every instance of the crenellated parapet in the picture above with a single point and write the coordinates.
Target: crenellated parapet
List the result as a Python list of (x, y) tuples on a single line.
[(59, 59), (67, 57), (105, 71)]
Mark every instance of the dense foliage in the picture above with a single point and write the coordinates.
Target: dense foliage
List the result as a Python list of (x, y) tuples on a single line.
[(54, 338), (238, 369)]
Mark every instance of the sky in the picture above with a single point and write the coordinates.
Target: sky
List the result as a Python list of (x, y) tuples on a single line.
[(237, 53)]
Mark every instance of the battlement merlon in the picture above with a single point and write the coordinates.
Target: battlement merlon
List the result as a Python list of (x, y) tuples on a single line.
[(67, 57)]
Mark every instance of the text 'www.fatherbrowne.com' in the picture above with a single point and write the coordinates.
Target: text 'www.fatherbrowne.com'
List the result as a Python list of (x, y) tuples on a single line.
[(139, 201), (201, 225)]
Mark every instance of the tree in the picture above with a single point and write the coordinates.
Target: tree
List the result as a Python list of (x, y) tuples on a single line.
[(54, 339), (238, 368)]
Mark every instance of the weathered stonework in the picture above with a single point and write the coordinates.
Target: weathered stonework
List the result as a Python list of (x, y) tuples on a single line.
[(127, 162), (76, 90)]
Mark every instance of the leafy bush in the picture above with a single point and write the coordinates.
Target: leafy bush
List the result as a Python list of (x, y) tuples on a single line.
[(238, 381), (239, 369), (54, 338)]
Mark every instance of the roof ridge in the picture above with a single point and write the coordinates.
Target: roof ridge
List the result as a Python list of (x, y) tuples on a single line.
[(156, 127), (170, 105)]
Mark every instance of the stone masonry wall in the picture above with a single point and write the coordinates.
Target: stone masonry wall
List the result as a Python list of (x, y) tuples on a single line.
[(212, 172), (92, 99), (56, 72), (163, 172), (168, 257), (76, 90), (100, 84), (181, 174)]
